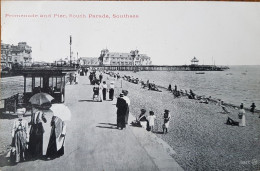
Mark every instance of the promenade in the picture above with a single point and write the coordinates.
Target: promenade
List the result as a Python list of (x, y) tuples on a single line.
[(94, 143)]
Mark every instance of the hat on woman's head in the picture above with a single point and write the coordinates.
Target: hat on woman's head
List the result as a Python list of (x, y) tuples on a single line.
[(121, 95), (166, 110), (143, 110), (125, 92), (20, 111), (151, 112)]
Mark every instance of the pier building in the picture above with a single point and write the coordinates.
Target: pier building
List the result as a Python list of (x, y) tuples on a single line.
[(123, 59)]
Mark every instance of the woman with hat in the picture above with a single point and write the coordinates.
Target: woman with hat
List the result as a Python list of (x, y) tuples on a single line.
[(121, 111), (142, 119), (166, 119), (35, 146), (20, 136), (57, 138), (111, 90), (104, 90)]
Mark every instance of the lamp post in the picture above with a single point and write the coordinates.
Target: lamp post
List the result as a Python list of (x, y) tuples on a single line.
[(70, 48)]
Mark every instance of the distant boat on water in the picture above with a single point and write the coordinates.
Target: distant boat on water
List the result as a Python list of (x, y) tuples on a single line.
[(200, 72)]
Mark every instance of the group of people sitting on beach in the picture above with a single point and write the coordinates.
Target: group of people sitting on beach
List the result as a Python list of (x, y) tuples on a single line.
[(148, 122), (131, 79), (151, 86), (143, 120), (241, 115), (178, 93)]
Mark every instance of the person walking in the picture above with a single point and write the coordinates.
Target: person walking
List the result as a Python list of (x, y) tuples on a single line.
[(121, 111), (242, 116), (100, 77), (151, 119), (57, 138), (125, 92), (111, 90), (100, 91), (166, 120), (104, 90), (20, 137), (252, 108), (35, 146)]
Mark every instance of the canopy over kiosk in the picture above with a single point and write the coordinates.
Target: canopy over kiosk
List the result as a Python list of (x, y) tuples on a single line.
[(47, 80)]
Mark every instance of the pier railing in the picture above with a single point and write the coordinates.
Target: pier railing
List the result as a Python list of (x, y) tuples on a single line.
[(159, 67)]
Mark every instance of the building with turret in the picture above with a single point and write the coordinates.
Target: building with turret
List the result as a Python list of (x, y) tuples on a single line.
[(123, 59)]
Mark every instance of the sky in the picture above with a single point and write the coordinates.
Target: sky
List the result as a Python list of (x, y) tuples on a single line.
[(171, 33)]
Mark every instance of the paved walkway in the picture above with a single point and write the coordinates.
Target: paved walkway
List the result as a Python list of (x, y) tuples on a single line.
[(94, 143)]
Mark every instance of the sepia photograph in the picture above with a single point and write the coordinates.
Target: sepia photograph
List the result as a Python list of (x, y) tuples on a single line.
[(130, 86)]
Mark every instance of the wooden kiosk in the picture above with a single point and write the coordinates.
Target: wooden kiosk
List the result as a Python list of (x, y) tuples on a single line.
[(51, 80)]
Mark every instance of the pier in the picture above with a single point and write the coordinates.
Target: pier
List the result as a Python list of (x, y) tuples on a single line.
[(160, 67)]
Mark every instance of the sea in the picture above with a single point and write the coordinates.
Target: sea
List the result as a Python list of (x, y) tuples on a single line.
[(239, 84)]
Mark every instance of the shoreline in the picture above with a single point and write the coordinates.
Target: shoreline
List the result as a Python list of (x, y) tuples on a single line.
[(198, 133), (215, 100)]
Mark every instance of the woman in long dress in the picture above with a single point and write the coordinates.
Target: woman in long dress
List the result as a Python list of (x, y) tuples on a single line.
[(35, 146), (100, 92), (57, 138), (20, 136), (121, 111), (242, 112), (104, 90), (111, 91)]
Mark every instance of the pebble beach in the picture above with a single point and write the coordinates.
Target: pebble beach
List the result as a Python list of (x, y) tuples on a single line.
[(197, 131)]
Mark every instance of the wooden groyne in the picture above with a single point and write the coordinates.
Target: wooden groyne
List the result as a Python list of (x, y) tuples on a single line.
[(161, 68)]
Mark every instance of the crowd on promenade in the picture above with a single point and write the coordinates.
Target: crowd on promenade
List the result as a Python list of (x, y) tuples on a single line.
[(100, 90)]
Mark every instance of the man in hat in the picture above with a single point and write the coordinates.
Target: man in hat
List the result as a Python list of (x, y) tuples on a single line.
[(121, 111), (125, 92)]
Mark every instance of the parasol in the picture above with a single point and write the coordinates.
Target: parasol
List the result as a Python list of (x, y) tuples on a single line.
[(40, 98), (61, 111)]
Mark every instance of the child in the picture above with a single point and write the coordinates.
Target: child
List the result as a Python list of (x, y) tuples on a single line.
[(20, 136), (151, 119), (166, 118)]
